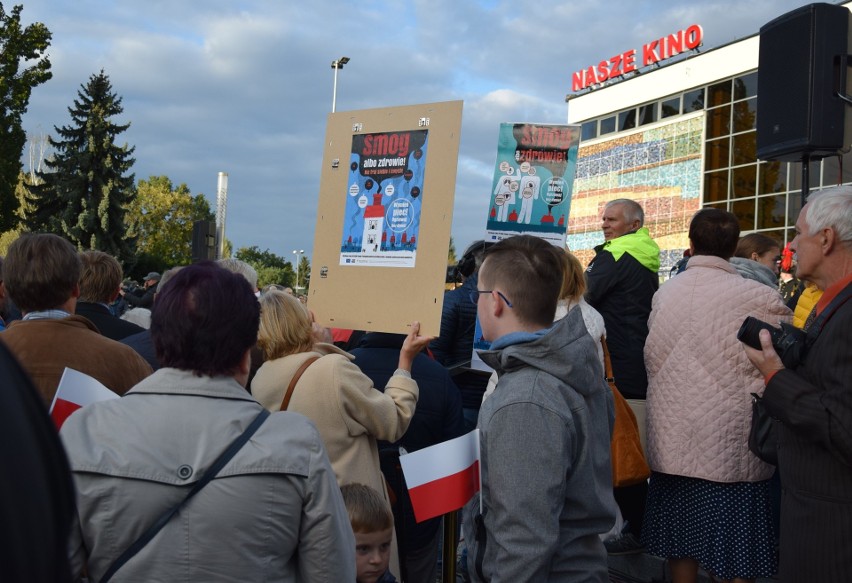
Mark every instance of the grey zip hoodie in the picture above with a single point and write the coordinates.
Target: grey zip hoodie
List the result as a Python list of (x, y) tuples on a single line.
[(546, 474)]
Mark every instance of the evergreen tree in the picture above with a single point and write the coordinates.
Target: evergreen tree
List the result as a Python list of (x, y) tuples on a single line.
[(88, 184), (18, 46)]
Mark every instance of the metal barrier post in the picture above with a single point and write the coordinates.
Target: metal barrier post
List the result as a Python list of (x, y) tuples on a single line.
[(451, 543)]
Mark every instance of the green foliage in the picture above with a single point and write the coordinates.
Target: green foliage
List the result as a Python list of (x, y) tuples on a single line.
[(304, 274), (86, 193), (18, 46), (271, 268), (7, 239), (451, 254), (160, 218)]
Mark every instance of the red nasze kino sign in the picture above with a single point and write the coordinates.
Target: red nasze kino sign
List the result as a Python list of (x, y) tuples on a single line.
[(652, 52)]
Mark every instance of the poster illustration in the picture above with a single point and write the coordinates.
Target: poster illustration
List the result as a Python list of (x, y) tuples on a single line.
[(383, 199), (533, 179)]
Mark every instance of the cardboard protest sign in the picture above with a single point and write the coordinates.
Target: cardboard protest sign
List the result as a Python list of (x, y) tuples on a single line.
[(384, 217), (533, 180), (531, 190)]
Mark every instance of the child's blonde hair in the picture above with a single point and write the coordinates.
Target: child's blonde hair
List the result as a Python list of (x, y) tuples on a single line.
[(573, 278), (368, 511)]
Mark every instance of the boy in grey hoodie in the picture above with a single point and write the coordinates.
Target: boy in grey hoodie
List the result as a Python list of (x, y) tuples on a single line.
[(545, 431)]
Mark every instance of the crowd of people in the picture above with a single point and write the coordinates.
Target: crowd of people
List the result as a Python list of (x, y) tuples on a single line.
[(252, 444)]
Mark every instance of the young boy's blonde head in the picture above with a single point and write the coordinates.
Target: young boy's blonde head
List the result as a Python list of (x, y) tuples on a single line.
[(368, 512)]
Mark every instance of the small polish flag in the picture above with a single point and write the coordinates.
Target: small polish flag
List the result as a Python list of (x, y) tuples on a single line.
[(443, 477), (76, 390)]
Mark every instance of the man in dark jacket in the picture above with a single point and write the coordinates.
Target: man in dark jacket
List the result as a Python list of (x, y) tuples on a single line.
[(437, 418), (621, 281), (146, 300), (813, 401), (142, 342), (100, 281), (454, 345)]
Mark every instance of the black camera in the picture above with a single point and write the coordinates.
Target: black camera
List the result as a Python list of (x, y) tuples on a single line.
[(788, 341)]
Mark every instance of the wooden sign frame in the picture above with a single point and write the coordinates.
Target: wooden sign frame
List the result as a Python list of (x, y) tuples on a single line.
[(383, 280)]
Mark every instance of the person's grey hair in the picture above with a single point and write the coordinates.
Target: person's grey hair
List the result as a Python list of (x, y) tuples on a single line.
[(632, 210), (240, 267), (831, 208), (167, 275)]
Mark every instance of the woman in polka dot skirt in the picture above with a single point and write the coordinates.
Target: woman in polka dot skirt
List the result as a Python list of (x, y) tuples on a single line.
[(708, 498)]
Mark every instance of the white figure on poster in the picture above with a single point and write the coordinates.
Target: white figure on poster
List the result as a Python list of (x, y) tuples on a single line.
[(374, 219), (529, 193), (504, 196)]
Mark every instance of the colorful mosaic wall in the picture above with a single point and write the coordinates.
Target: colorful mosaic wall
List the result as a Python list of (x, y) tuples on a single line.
[(659, 168)]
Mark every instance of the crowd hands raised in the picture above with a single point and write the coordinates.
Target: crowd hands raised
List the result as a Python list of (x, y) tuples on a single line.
[(313, 492)]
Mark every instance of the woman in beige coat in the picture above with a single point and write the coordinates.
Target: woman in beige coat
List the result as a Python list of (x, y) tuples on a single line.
[(350, 414)]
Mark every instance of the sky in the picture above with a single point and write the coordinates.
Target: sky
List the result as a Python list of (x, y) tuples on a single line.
[(245, 86)]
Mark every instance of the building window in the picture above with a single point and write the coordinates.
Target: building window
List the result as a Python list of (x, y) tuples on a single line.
[(744, 150), (589, 130), (670, 107), (744, 181), (607, 125), (716, 186), (693, 100), (771, 211), (773, 177), (719, 121), (627, 120), (648, 114), (744, 209), (719, 93), (745, 115), (717, 154), (745, 86)]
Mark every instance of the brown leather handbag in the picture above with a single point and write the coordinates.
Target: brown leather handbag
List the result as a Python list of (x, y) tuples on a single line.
[(629, 465)]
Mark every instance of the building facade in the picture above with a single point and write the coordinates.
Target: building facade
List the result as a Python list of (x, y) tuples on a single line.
[(679, 137)]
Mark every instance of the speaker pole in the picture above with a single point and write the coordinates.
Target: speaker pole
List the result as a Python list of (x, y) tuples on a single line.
[(806, 177)]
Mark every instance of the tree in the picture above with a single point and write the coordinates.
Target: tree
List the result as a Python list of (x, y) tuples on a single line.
[(9, 236), (160, 218), (271, 268), (304, 273), (89, 176), (17, 47), (451, 253)]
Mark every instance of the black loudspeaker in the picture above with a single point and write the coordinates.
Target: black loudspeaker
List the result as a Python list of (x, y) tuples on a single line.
[(203, 240), (799, 69)]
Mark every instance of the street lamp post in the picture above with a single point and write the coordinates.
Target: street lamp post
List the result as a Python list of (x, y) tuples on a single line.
[(298, 253), (336, 64)]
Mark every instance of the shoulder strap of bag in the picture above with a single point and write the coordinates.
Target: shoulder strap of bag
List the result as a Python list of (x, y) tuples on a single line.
[(214, 469), (607, 363), (308, 362)]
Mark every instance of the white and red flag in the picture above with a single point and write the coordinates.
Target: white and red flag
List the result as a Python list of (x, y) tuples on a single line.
[(76, 390), (443, 477)]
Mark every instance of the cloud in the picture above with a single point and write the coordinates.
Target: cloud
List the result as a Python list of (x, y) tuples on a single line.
[(245, 87)]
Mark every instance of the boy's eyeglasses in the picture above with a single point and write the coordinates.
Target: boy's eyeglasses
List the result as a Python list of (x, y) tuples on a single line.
[(474, 296)]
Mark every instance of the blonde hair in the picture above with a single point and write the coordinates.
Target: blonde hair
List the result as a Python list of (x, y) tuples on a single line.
[(285, 325), (368, 512), (573, 278), (99, 278)]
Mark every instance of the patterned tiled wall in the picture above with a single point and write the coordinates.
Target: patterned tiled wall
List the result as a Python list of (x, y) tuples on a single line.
[(660, 168)]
